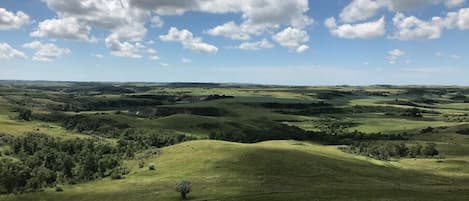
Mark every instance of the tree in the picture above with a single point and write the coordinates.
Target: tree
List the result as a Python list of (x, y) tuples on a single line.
[(25, 114), (415, 151), (13, 175), (430, 150), (413, 112), (332, 126), (183, 187)]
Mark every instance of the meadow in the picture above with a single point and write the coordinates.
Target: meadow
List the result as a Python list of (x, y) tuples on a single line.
[(232, 142)]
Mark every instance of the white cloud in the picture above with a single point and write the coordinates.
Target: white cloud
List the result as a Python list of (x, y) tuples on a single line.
[(412, 28), (46, 51), (157, 22), (365, 30), (237, 32), (444, 55), (291, 12), (359, 10), (151, 51), (10, 20), (263, 44), (123, 49), (291, 37), (458, 19), (302, 48), (65, 28), (403, 5), (117, 16), (394, 55), (99, 56), (7, 52), (454, 3), (186, 60), (257, 15), (188, 41), (164, 64), (154, 58)]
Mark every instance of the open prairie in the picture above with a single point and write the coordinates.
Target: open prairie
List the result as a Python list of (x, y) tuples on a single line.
[(135, 141)]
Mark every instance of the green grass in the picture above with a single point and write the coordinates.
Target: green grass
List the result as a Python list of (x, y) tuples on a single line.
[(278, 170), (275, 170)]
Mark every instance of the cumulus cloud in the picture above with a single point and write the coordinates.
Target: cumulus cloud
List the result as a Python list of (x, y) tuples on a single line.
[(151, 51), (263, 44), (359, 10), (459, 19), (291, 38), (117, 16), (290, 12), (123, 49), (365, 30), (46, 51), (403, 5), (10, 20), (65, 28), (258, 15), (7, 52), (394, 55), (413, 28), (302, 48), (188, 41), (237, 32)]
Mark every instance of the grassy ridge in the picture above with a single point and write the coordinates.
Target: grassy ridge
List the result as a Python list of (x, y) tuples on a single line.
[(277, 170)]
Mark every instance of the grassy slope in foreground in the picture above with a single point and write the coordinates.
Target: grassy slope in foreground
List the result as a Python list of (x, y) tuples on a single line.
[(277, 170)]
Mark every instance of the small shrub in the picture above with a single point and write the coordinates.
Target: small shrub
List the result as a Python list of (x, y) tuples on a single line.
[(116, 176), (152, 167), (141, 164), (59, 189)]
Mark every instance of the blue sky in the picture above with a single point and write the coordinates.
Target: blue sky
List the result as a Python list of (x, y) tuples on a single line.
[(295, 42)]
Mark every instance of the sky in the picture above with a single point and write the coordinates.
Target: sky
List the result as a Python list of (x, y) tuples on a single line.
[(291, 42)]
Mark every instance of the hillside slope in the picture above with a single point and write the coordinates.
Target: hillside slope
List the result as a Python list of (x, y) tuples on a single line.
[(276, 170)]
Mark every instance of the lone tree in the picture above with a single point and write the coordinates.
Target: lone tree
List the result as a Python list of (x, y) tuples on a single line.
[(183, 187)]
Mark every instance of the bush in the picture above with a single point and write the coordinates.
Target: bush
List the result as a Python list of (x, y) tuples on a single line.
[(141, 164), (152, 167), (116, 176), (58, 189)]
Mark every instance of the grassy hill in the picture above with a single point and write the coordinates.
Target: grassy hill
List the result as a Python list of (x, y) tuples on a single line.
[(274, 170)]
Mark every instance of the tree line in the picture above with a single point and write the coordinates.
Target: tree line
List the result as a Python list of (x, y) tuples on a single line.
[(388, 150)]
